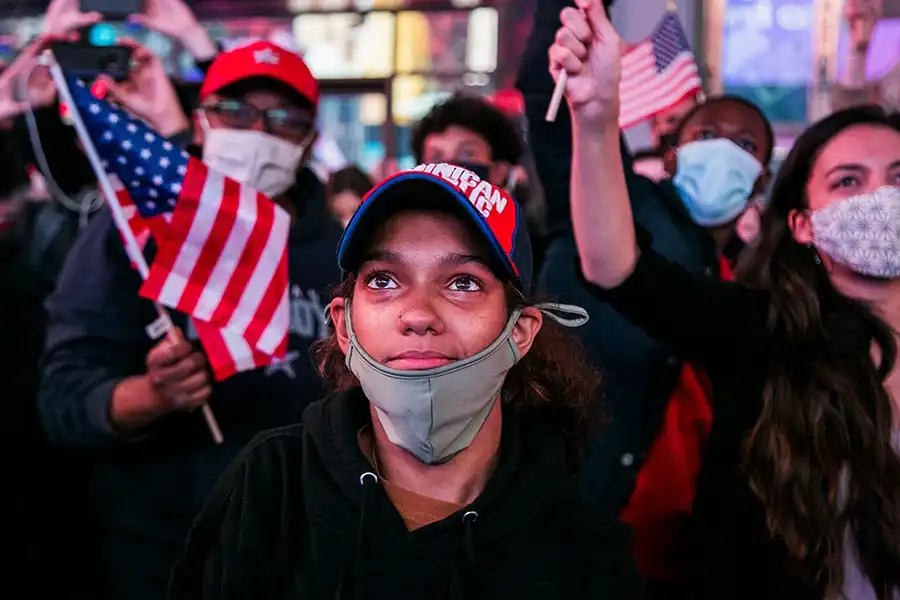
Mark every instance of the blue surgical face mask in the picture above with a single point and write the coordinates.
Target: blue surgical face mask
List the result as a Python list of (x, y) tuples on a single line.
[(715, 179)]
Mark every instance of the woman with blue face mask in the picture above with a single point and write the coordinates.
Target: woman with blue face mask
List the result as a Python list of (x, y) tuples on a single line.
[(799, 495), (443, 466)]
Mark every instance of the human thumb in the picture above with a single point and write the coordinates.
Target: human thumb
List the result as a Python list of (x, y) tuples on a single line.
[(597, 18)]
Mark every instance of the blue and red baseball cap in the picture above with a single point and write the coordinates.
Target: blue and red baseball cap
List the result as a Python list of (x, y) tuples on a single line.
[(487, 207)]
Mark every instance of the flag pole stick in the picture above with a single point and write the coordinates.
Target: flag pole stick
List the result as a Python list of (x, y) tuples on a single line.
[(132, 246)]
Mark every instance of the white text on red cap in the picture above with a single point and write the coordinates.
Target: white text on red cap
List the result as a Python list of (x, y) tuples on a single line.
[(483, 196)]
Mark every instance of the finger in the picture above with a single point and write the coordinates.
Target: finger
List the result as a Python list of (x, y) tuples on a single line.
[(565, 37), (565, 60), (596, 15), (139, 53), (197, 399), (574, 19), (86, 19), (174, 374), (117, 91), (190, 386), (168, 352)]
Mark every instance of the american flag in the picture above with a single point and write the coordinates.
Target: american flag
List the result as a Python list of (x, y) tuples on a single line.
[(658, 73), (222, 247)]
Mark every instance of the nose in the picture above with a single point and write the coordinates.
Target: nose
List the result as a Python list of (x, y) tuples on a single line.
[(418, 317), (259, 125)]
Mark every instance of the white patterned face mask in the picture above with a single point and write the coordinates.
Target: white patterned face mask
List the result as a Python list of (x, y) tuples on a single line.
[(862, 233)]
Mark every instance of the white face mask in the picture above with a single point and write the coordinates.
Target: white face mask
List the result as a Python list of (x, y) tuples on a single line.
[(435, 413), (264, 162), (862, 233)]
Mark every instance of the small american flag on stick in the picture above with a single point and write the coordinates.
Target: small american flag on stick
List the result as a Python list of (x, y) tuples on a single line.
[(658, 73)]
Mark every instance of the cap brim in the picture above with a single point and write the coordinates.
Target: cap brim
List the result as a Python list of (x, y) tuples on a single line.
[(273, 76), (412, 190)]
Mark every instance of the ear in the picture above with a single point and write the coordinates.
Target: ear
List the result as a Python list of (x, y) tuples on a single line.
[(337, 310), (527, 327), (800, 223), (670, 161)]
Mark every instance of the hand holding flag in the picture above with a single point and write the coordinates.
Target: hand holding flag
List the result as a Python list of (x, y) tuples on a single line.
[(222, 247), (587, 53)]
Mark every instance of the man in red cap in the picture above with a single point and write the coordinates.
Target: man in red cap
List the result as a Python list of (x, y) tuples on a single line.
[(257, 116)]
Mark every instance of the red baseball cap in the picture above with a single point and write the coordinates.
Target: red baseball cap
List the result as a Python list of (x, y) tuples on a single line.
[(492, 211), (261, 59)]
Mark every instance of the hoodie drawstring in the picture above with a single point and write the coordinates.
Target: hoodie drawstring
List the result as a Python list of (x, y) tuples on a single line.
[(456, 586), (368, 481), (468, 537)]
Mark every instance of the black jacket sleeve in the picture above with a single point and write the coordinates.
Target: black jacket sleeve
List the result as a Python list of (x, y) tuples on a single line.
[(703, 320), (239, 545), (96, 337)]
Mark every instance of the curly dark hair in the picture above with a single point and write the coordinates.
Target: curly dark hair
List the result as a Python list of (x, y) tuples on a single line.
[(826, 421), (474, 114), (554, 382)]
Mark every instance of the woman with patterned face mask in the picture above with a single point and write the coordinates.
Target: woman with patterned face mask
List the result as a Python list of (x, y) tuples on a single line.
[(443, 466), (799, 493)]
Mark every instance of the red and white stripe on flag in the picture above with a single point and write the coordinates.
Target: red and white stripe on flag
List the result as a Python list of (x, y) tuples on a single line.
[(223, 262), (643, 92), (228, 353)]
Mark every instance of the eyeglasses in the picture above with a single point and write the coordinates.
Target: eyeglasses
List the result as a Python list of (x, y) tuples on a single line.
[(291, 123)]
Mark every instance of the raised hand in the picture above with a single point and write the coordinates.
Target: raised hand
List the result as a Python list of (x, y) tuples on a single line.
[(175, 19), (587, 49), (148, 92), (861, 16), (40, 89), (65, 16)]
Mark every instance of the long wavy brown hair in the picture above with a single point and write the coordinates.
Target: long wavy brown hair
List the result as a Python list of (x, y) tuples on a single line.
[(554, 382), (826, 421)]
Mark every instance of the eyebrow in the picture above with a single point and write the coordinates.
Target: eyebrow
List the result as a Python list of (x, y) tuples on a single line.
[(844, 167), (449, 259)]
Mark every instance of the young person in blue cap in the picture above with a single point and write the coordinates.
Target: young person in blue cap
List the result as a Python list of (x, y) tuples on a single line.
[(443, 464)]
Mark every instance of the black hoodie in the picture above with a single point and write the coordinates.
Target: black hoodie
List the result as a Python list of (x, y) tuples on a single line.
[(145, 490), (299, 515)]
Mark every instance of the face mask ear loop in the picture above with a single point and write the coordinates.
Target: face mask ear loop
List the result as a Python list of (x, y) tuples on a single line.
[(551, 309)]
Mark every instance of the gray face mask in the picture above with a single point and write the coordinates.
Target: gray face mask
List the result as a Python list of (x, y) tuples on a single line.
[(436, 413)]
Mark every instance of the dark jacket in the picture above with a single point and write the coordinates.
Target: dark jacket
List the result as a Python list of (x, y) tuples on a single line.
[(722, 327), (46, 562), (295, 518), (145, 490), (640, 372)]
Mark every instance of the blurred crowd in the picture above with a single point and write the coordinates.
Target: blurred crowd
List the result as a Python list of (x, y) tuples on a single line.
[(741, 321)]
